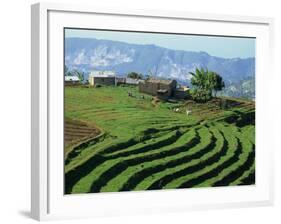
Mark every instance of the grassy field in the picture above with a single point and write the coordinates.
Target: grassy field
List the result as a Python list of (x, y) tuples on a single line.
[(115, 142)]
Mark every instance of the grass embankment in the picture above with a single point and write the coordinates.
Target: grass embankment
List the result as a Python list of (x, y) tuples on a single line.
[(143, 145)]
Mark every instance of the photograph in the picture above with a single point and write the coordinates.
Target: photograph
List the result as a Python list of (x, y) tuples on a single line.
[(157, 111)]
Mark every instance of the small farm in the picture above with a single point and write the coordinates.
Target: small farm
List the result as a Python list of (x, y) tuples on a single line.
[(115, 141)]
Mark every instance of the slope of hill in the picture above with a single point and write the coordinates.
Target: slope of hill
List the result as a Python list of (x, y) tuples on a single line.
[(244, 88), (147, 147)]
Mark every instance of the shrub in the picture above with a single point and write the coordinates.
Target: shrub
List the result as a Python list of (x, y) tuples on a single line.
[(200, 95)]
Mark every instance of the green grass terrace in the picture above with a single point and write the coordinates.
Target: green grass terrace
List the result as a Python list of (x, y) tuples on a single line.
[(116, 142)]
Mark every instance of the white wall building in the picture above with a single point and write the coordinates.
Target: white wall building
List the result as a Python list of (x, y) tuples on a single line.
[(102, 78)]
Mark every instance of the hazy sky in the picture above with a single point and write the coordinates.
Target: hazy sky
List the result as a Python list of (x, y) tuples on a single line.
[(226, 47)]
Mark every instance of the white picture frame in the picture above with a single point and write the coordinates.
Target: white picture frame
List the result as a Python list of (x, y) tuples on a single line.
[(48, 201)]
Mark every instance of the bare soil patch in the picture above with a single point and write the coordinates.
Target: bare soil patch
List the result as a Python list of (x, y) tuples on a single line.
[(78, 131)]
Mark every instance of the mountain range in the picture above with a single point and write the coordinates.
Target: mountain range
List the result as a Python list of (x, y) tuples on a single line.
[(88, 54)]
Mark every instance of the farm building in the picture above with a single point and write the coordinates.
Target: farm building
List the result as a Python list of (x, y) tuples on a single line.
[(131, 81), (126, 80), (102, 78), (120, 80), (71, 80), (181, 93), (157, 87)]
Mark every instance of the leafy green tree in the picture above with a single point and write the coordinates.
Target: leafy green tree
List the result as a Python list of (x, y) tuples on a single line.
[(67, 72), (199, 78), (147, 77), (201, 84), (216, 82), (205, 82), (135, 75), (80, 75), (200, 95)]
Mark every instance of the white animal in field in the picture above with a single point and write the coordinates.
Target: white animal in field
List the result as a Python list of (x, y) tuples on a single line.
[(177, 109), (188, 112)]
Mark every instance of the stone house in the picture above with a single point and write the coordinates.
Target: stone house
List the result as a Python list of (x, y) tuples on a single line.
[(163, 89)]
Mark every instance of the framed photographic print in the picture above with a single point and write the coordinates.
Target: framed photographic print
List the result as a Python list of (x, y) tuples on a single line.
[(148, 111)]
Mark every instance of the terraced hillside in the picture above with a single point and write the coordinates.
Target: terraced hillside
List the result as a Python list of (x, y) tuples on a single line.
[(144, 146), (76, 132)]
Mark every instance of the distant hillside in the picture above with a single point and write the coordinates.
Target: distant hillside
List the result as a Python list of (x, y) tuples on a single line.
[(93, 54), (244, 88)]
